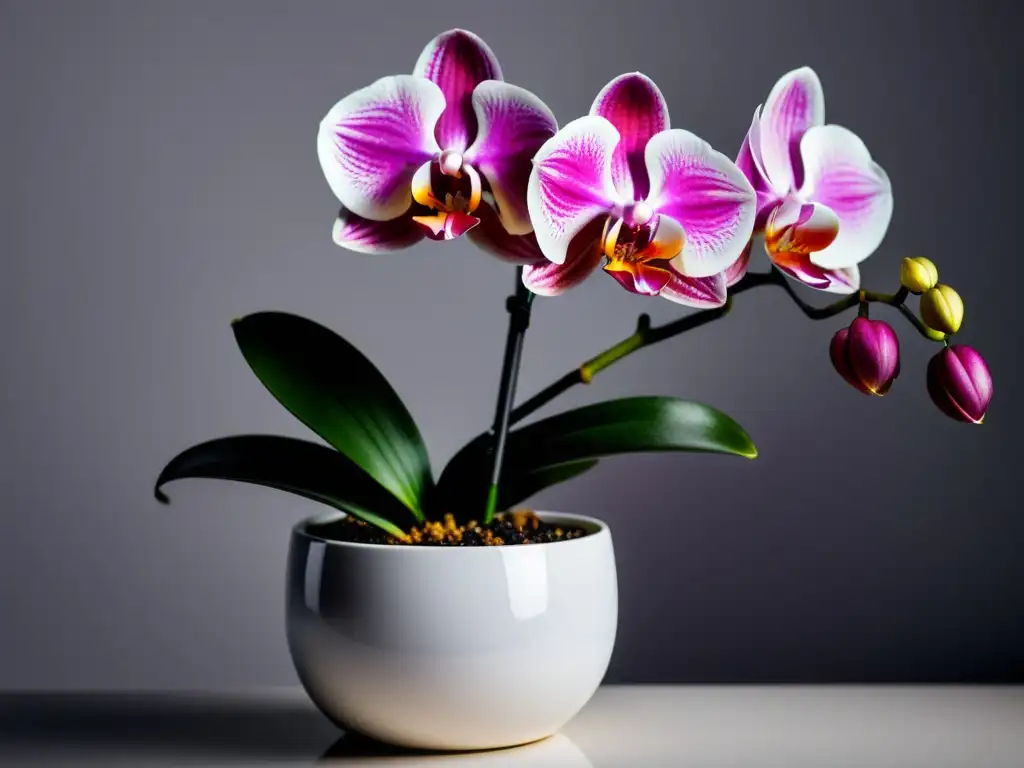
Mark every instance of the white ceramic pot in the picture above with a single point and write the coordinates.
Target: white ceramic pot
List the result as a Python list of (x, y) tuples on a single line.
[(452, 648)]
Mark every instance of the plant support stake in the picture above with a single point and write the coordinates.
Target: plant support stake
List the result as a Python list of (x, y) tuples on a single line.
[(518, 306)]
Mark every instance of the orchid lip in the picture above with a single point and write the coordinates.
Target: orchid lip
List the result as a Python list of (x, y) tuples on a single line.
[(437, 187), (446, 225), (799, 227), (644, 278), (658, 238)]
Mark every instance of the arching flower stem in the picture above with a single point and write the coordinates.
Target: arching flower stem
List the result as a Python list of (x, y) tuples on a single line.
[(646, 334)]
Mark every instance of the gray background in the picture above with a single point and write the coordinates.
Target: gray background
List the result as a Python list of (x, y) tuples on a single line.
[(159, 178)]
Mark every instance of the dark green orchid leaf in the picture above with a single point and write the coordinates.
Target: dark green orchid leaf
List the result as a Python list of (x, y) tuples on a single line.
[(296, 466), (519, 487), (337, 392), (629, 425)]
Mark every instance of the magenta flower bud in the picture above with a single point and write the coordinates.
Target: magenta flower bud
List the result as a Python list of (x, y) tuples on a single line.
[(867, 355), (960, 384)]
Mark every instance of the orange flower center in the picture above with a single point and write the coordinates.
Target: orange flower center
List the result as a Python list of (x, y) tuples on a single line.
[(447, 184), (638, 247), (632, 239), (451, 190)]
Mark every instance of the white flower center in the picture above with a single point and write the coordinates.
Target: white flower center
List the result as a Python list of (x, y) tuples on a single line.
[(641, 213), (450, 162)]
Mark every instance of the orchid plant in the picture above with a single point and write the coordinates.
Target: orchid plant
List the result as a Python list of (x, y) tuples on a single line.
[(453, 150)]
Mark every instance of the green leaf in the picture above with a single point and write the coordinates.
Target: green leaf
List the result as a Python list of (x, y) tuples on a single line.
[(296, 466), (629, 425), (519, 487), (337, 392)]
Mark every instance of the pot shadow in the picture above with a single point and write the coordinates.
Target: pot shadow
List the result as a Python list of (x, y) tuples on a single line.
[(354, 749), (263, 727), (188, 726)]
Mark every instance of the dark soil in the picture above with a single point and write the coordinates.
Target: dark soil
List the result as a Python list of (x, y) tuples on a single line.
[(519, 527)]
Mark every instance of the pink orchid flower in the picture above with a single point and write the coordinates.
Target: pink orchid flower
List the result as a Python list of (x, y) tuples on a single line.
[(671, 216), (436, 154), (822, 203)]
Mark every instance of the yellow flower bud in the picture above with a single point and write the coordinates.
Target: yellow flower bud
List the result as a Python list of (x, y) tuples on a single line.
[(942, 309), (918, 274)]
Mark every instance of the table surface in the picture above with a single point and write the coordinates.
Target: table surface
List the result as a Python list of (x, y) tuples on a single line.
[(623, 726)]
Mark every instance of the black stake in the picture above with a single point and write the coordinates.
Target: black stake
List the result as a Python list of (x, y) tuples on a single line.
[(518, 306)]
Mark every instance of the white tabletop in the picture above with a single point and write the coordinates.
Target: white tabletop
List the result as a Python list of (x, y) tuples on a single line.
[(623, 727)]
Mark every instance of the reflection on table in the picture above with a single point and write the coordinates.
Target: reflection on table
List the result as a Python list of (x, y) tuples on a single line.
[(623, 727)]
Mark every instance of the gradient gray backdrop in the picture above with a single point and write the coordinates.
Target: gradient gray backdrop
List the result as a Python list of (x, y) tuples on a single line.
[(159, 178)]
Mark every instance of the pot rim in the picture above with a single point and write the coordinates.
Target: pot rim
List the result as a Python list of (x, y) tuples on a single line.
[(597, 529)]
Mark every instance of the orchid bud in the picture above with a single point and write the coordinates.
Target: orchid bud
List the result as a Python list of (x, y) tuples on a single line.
[(942, 309), (918, 274), (960, 384), (867, 355)]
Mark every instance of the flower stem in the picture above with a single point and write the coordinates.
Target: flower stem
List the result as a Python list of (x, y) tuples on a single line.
[(617, 352), (864, 308), (518, 305), (923, 329), (646, 334)]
